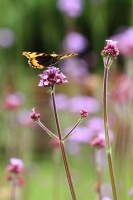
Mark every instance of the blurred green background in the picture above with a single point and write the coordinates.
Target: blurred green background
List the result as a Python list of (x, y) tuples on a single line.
[(43, 26)]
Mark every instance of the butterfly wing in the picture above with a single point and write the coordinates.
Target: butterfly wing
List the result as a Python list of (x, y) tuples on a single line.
[(43, 60), (67, 55)]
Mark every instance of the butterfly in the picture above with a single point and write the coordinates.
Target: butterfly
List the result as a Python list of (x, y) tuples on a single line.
[(43, 60)]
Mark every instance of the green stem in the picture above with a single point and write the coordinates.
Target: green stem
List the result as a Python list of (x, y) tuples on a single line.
[(70, 132), (13, 193), (47, 130), (64, 156), (108, 146)]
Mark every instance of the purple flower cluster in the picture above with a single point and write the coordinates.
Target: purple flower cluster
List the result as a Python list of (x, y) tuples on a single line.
[(51, 76), (15, 170), (16, 166), (83, 113), (110, 49), (35, 116)]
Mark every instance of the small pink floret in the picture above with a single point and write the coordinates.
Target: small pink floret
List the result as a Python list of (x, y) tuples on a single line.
[(83, 113), (35, 116)]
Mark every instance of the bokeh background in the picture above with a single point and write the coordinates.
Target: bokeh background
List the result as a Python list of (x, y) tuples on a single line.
[(58, 26)]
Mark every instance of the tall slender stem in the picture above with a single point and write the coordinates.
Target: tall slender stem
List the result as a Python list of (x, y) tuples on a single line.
[(13, 193), (64, 156), (99, 181), (108, 146)]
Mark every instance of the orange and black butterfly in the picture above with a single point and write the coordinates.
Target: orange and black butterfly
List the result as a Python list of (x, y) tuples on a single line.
[(43, 60)]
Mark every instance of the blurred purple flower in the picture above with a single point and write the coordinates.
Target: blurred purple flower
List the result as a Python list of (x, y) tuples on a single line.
[(14, 100), (7, 38), (62, 101), (96, 126), (99, 141), (81, 135), (130, 193), (54, 143), (78, 103), (16, 166), (75, 41), (14, 172), (125, 41), (72, 8), (24, 119), (106, 198), (75, 68), (122, 92)]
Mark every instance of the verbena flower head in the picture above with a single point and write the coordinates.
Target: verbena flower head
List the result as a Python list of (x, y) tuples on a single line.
[(83, 113), (14, 171), (16, 166), (34, 116), (52, 76), (99, 141), (110, 52)]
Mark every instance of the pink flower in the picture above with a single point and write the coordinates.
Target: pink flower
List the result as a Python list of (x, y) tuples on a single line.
[(96, 127), (16, 166), (99, 141), (83, 113), (110, 52), (51, 76), (14, 171), (13, 101), (35, 116), (110, 49)]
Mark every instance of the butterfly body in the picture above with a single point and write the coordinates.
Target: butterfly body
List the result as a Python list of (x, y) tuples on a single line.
[(43, 60)]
